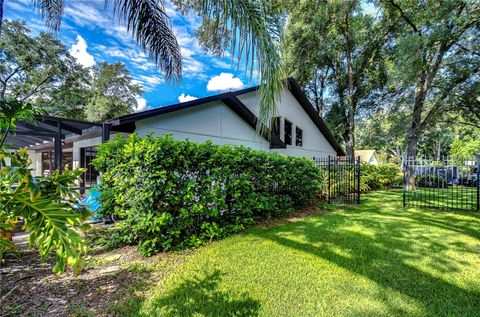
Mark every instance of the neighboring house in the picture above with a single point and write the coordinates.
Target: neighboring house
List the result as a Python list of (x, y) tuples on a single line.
[(227, 118), (367, 156)]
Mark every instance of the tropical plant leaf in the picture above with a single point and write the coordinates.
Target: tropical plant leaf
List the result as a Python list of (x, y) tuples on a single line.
[(51, 11), (48, 208), (152, 29), (255, 29)]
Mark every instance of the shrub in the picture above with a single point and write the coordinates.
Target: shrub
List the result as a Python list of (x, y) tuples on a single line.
[(174, 194), (380, 176), (430, 181)]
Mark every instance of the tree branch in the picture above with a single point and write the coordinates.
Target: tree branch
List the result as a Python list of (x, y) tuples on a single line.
[(461, 122), (405, 17), (467, 50), (37, 88)]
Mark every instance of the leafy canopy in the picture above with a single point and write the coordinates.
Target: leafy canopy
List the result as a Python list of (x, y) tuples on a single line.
[(40, 70), (113, 92), (335, 50), (32, 67)]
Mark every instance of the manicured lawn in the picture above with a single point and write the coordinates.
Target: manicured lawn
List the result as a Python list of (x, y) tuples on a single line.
[(376, 259)]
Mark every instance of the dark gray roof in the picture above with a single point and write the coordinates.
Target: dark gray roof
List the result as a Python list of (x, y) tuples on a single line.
[(127, 123), (44, 129)]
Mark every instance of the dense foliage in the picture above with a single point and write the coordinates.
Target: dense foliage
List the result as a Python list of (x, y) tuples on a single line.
[(335, 49), (380, 176), (466, 147), (173, 194), (434, 181), (46, 205), (112, 92), (390, 75), (39, 69)]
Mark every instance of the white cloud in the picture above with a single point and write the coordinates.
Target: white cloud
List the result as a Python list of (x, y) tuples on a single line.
[(150, 80), (141, 104), (192, 68), (185, 98), (17, 5), (221, 64), (79, 51), (145, 67), (224, 82), (115, 52), (86, 14)]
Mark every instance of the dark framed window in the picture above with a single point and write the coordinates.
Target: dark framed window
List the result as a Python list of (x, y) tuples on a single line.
[(298, 136), (87, 154), (276, 126), (48, 161), (287, 132)]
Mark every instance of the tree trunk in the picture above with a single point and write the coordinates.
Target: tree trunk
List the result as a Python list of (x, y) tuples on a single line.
[(416, 126), (350, 135), (350, 100), (415, 129), (438, 150)]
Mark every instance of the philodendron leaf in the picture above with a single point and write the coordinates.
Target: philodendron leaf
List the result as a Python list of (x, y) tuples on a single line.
[(48, 207)]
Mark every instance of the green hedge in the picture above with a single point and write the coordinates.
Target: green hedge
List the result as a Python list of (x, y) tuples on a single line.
[(174, 194), (430, 181), (380, 176)]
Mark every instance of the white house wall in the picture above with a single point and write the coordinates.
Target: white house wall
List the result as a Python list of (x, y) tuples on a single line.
[(77, 145), (36, 166), (314, 142), (213, 121)]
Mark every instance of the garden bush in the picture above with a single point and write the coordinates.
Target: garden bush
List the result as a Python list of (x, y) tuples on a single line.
[(430, 181), (174, 194), (380, 176)]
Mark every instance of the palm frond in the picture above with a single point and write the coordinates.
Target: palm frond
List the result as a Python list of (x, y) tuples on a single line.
[(152, 29), (256, 31), (1, 16), (51, 11)]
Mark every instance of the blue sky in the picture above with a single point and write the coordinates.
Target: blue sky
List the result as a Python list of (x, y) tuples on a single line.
[(93, 36)]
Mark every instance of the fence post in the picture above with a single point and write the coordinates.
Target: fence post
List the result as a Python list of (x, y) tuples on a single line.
[(358, 180), (328, 172), (478, 182)]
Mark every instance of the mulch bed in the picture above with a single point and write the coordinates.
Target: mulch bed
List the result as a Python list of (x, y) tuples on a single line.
[(33, 290)]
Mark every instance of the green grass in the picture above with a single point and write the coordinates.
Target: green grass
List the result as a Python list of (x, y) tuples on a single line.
[(453, 197), (376, 259)]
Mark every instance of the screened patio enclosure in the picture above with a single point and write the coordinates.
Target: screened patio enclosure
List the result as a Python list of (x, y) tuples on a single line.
[(53, 143)]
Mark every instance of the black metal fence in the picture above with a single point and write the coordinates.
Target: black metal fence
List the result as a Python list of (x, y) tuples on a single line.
[(342, 177), (449, 183)]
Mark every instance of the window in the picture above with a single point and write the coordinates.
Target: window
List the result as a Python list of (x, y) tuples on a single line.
[(48, 161), (298, 136), (287, 130), (87, 154), (276, 126)]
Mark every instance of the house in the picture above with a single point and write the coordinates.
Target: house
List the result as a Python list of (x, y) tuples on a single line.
[(367, 156), (227, 118)]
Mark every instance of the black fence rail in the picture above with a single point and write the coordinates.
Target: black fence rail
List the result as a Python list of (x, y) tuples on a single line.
[(342, 177), (448, 183)]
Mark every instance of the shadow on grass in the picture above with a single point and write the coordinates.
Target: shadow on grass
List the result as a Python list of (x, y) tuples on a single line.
[(202, 297), (386, 244)]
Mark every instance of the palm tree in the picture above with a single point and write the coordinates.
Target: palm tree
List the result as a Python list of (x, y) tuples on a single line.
[(254, 27)]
